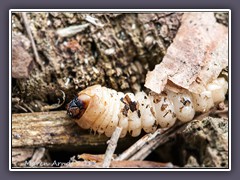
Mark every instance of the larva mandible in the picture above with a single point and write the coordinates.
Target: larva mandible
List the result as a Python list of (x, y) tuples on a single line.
[(102, 109)]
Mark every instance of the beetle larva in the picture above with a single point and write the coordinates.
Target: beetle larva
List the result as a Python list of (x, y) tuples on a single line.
[(102, 109)]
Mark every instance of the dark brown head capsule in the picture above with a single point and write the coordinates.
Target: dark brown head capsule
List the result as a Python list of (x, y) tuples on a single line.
[(77, 106)]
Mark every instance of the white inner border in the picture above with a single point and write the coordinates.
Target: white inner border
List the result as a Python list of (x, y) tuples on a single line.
[(116, 10)]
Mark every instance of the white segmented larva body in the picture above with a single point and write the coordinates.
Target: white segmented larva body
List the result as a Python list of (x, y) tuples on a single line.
[(147, 119), (203, 101), (183, 105), (106, 108)]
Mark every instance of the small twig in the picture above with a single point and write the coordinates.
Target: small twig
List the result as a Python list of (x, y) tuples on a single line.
[(147, 149), (27, 107), (112, 144), (94, 21), (26, 24), (20, 107), (71, 30), (138, 145), (156, 142)]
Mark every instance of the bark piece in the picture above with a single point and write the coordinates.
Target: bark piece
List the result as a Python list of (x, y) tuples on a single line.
[(196, 57), (21, 59)]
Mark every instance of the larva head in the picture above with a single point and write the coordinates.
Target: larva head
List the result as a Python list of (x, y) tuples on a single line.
[(78, 105)]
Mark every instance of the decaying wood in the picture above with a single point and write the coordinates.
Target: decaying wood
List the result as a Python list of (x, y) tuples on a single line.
[(53, 130), (195, 58), (112, 144)]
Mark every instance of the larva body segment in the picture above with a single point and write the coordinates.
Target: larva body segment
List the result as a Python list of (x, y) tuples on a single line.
[(164, 109), (219, 88), (113, 123), (183, 105), (102, 109), (147, 119), (203, 101), (134, 118)]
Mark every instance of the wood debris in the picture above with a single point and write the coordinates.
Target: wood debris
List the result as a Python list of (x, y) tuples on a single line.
[(56, 130), (197, 55)]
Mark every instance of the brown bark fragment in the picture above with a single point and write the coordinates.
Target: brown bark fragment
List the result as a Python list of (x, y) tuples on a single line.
[(21, 59), (199, 52)]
